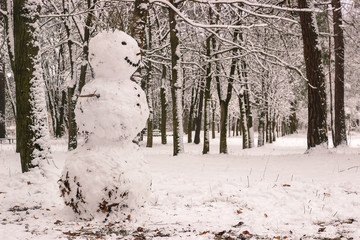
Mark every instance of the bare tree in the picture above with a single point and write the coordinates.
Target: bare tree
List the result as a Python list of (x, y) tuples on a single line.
[(176, 83), (31, 117), (340, 128), (317, 127), (2, 102)]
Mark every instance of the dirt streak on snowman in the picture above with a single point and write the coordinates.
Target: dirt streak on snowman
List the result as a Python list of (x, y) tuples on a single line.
[(106, 174)]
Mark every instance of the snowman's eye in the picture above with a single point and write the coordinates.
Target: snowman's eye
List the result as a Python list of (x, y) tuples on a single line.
[(123, 43)]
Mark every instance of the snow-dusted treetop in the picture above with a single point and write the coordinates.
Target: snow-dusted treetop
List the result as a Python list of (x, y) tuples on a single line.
[(112, 54)]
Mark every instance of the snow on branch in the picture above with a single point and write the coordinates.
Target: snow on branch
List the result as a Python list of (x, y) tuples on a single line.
[(277, 61), (2, 12), (267, 15), (195, 24), (256, 4)]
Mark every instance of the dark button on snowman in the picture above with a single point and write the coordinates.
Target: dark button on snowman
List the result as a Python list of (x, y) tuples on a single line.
[(106, 177)]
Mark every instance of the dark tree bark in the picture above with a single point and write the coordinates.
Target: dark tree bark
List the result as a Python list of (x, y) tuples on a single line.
[(243, 124), (137, 29), (248, 115), (31, 122), (60, 124), (237, 127), (87, 33), (176, 83), (24, 68), (261, 129), (268, 127), (262, 115), (317, 126), (224, 103), (223, 126), (191, 114), (283, 127), (331, 105), (150, 121), (72, 126), (149, 94), (9, 31), (340, 128), (2, 102), (274, 129), (206, 146), (293, 119), (8, 25), (51, 105), (77, 87), (149, 139), (163, 106), (198, 119), (213, 108)]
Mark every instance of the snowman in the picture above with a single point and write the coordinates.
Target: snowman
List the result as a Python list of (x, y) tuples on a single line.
[(106, 176)]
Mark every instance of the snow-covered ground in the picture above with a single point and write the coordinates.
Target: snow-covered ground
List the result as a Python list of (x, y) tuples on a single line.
[(273, 192)]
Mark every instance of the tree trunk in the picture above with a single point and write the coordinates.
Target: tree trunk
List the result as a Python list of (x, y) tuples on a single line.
[(31, 117), (149, 93), (229, 126), (137, 29), (60, 126), (340, 128), (72, 144), (237, 124), (243, 120), (262, 103), (331, 108), (317, 127), (191, 113), (206, 147), (199, 113), (249, 119), (9, 30), (213, 108), (149, 139), (176, 83), (223, 126), (224, 103), (261, 128), (273, 127), (72, 126), (150, 121), (163, 106), (2, 102), (52, 105), (293, 120), (283, 127), (269, 127)]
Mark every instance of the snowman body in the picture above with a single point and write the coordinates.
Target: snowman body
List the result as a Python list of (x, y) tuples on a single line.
[(106, 177)]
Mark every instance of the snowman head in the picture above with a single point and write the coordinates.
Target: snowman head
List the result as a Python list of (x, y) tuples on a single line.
[(114, 55)]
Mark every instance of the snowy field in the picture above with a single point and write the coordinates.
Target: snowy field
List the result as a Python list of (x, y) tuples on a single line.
[(273, 192)]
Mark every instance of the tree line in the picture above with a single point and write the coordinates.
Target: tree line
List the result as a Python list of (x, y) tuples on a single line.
[(217, 65)]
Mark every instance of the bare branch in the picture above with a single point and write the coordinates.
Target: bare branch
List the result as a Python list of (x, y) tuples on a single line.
[(255, 4), (4, 13), (195, 24), (89, 95)]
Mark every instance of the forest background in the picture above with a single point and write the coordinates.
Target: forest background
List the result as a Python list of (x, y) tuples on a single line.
[(230, 66)]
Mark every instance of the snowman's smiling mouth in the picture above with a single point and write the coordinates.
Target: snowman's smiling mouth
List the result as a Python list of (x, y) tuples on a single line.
[(131, 63)]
